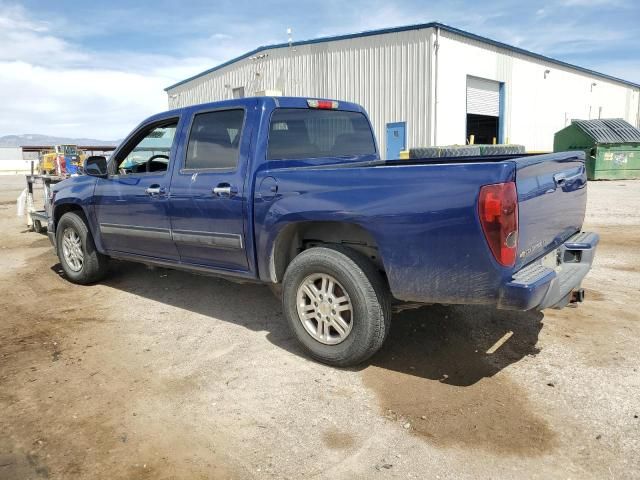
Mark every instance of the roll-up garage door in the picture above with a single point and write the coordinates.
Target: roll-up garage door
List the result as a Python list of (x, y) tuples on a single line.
[(483, 97)]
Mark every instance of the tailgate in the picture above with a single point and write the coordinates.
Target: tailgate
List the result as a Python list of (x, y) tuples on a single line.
[(552, 197)]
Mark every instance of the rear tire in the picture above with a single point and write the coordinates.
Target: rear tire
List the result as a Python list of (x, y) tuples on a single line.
[(80, 260), (351, 332)]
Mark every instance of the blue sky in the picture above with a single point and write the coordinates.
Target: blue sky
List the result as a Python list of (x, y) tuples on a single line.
[(78, 68)]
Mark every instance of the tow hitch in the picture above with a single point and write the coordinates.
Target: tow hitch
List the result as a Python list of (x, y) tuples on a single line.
[(577, 296)]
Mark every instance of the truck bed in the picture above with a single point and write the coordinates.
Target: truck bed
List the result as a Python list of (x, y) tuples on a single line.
[(423, 215), (470, 159), (431, 161)]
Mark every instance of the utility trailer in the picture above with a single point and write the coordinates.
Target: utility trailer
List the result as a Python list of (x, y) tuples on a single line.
[(37, 219)]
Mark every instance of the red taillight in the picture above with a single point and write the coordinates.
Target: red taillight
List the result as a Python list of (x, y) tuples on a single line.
[(498, 210), (323, 104)]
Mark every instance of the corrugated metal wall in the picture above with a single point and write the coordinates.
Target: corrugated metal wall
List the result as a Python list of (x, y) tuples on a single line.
[(387, 74), (390, 75)]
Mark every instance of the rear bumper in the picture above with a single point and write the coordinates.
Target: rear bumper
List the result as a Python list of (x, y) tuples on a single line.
[(538, 285)]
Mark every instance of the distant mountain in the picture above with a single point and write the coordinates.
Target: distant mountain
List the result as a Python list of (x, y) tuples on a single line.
[(31, 139)]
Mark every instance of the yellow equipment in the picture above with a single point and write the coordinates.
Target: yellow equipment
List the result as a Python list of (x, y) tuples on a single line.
[(61, 160)]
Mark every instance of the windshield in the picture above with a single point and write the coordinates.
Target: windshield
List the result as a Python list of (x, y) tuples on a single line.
[(69, 149)]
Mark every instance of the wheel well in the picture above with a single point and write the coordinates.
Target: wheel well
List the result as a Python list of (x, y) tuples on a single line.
[(297, 237), (60, 210)]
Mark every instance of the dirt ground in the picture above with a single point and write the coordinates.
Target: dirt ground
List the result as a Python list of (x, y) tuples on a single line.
[(158, 374)]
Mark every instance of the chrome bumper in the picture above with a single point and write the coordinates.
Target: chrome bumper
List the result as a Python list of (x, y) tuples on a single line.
[(538, 286)]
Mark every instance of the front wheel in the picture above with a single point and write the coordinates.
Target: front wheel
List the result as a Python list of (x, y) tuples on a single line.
[(80, 260), (336, 304)]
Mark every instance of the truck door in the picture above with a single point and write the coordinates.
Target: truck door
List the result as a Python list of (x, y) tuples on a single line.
[(208, 205), (131, 203)]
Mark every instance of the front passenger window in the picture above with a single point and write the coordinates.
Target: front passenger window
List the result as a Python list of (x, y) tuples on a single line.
[(151, 153)]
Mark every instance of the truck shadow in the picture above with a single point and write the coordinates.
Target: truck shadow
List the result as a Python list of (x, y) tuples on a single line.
[(453, 345), (458, 345), (438, 375)]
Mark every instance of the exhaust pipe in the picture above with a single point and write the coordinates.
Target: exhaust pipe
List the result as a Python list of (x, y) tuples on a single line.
[(577, 296)]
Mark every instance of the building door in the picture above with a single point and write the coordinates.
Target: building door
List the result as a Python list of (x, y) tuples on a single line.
[(483, 111), (396, 139)]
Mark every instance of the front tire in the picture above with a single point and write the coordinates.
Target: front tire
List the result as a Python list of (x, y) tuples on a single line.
[(336, 304), (80, 260)]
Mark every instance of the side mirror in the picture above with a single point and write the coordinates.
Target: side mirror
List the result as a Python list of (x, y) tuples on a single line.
[(95, 166)]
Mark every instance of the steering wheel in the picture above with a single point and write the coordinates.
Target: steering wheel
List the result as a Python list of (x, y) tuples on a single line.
[(152, 158)]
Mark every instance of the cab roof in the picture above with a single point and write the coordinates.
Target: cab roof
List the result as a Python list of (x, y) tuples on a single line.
[(264, 102)]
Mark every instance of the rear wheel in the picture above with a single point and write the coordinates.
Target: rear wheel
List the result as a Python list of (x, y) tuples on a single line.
[(80, 260), (337, 305)]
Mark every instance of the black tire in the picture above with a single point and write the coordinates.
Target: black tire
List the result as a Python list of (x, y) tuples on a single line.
[(369, 297), (94, 264)]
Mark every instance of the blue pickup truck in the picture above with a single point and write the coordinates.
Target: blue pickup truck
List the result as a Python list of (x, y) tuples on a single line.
[(292, 192)]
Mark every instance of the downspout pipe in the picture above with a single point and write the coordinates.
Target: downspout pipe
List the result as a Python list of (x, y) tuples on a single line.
[(638, 114), (434, 43), (436, 47)]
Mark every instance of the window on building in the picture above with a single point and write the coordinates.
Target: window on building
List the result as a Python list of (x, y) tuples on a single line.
[(238, 92), (214, 141), (308, 133)]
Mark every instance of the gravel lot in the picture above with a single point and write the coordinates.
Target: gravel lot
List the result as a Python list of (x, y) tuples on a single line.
[(160, 374)]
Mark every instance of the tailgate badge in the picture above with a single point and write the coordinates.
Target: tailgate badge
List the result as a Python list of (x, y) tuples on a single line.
[(531, 249)]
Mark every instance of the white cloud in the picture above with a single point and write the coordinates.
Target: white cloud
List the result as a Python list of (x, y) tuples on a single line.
[(593, 3), (23, 38), (49, 85), (625, 69), (383, 15), (53, 84), (103, 104), (15, 17)]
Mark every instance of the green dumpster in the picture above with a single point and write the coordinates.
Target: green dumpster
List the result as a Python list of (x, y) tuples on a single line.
[(612, 147)]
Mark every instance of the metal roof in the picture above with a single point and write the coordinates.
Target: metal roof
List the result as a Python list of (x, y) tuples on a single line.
[(406, 28), (97, 148), (609, 130)]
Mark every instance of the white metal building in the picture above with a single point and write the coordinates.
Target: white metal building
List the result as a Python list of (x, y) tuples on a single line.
[(12, 160), (426, 85)]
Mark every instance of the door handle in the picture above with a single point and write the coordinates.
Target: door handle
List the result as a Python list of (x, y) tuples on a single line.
[(224, 190), (155, 190)]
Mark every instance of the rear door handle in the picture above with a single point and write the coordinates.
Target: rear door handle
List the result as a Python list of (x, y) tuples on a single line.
[(225, 190)]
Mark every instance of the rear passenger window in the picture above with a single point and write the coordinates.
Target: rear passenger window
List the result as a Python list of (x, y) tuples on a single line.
[(214, 141), (308, 133)]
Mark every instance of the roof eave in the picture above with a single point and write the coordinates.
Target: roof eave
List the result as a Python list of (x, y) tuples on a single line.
[(406, 28)]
